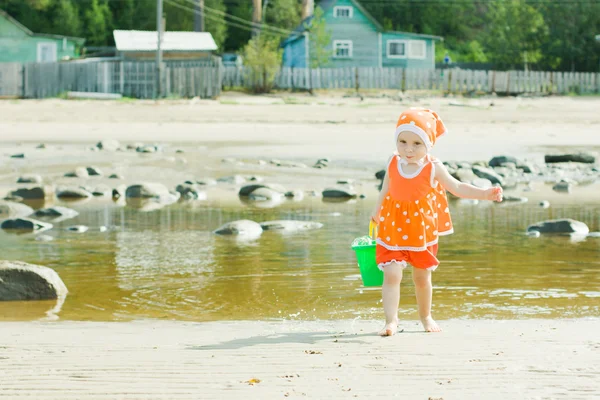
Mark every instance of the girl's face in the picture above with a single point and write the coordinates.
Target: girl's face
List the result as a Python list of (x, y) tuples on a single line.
[(411, 147)]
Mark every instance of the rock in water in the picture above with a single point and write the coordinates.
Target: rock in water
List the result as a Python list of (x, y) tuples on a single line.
[(560, 226), (22, 281)]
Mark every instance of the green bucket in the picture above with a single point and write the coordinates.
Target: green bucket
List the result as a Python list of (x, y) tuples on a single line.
[(365, 256)]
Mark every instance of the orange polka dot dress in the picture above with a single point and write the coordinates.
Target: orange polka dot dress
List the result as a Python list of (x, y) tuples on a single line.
[(414, 214)]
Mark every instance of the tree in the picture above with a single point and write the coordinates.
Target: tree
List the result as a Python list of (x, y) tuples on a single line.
[(319, 39), (283, 14), (262, 56), (515, 33), (97, 23), (63, 18), (179, 19), (124, 14)]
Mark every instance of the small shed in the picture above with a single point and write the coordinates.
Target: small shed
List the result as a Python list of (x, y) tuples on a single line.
[(176, 46), (20, 45)]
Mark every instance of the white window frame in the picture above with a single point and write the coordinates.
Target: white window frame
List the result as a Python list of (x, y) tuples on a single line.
[(411, 52), (343, 43), (53, 47), (340, 8), (394, 41)]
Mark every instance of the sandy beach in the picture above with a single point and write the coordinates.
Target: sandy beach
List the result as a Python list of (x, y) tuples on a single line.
[(533, 359), (317, 359)]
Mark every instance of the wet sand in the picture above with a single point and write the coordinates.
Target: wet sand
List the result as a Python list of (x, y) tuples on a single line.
[(530, 359)]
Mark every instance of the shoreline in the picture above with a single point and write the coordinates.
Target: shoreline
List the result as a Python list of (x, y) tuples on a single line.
[(470, 359)]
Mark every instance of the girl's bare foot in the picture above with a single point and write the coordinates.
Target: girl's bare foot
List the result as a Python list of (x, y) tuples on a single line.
[(430, 325), (389, 329)]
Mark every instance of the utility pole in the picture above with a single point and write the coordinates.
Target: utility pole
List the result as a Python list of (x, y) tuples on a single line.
[(159, 66), (199, 16), (308, 8), (256, 16)]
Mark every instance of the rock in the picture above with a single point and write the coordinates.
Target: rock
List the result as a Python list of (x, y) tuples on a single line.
[(514, 199), (119, 192), (116, 176), (108, 144), (463, 164), (235, 179), (147, 191), (248, 189), (20, 155), (562, 187), (9, 209), (527, 168), (22, 281), (345, 182), (338, 194), (482, 183), (94, 171), (73, 193), (29, 179), (560, 226), (321, 163), (78, 228), (290, 225), (489, 174), (101, 191), (295, 194), (380, 174), (25, 225), (147, 149), (80, 172), (255, 179), (243, 227), (498, 161), (35, 193), (40, 146), (179, 151), (291, 164), (56, 212), (265, 194), (544, 204), (190, 192), (585, 158), (465, 175), (207, 181)]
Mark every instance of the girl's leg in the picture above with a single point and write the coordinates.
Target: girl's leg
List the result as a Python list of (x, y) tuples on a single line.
[(424, 292), (392, 276)]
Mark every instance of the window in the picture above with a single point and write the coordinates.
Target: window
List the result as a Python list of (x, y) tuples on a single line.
[(342, 48), (396, 49), (343, 12), (416, 49), (46, 52)]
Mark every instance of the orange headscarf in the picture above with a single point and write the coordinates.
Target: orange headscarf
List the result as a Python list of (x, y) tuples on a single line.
[(423, 122)]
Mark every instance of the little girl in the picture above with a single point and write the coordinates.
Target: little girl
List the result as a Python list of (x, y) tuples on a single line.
[(412, 213)]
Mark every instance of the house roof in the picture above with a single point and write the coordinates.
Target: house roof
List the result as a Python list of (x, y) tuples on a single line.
[(171, 41), (30, 33), (327, 4)]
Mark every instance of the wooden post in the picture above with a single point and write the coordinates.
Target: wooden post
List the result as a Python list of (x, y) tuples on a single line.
[(256, 16), (449, 81), (356, 77)]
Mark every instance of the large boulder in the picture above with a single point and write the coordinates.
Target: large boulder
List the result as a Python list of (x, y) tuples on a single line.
[(29, 179), (147, 191), (80, 172), (290, 225), (22, 281), (34, 193), (25, 225), (56, 212), (498, 161), (10, 209), (73, 193), (578, 158), (560, 226), (265, 194), (348, 193), (489, 174), (242, 227), (249, 189)]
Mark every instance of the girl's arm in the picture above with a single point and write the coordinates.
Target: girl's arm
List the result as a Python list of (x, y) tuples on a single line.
[(464, 190), (382, 193)]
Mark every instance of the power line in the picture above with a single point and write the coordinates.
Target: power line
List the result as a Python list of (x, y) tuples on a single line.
[(245, 21), (212, 17)]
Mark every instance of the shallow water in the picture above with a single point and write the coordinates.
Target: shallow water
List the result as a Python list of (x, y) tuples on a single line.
[(166, 264)]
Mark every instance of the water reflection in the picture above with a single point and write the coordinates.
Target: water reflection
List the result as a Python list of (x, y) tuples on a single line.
[(166, 263)]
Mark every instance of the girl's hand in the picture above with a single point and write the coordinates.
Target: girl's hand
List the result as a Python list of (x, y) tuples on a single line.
[(494, 194), (375, 217)]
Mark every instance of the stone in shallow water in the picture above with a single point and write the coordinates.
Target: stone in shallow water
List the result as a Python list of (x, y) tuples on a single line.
[(560, 226), (22, 281)]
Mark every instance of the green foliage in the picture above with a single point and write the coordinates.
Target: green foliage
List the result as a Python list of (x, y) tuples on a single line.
[(262, 56), (282, 13), (319, 39), (64, 18)]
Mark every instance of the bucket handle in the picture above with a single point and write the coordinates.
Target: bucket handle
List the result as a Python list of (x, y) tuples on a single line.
[(373, 230)]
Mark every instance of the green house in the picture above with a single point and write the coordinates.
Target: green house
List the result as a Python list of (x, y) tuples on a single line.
[(19, 44), (358, 40)]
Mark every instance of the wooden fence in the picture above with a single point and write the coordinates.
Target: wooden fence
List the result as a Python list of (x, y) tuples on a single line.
[(131, 79), (445, 80), (205, 79)]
